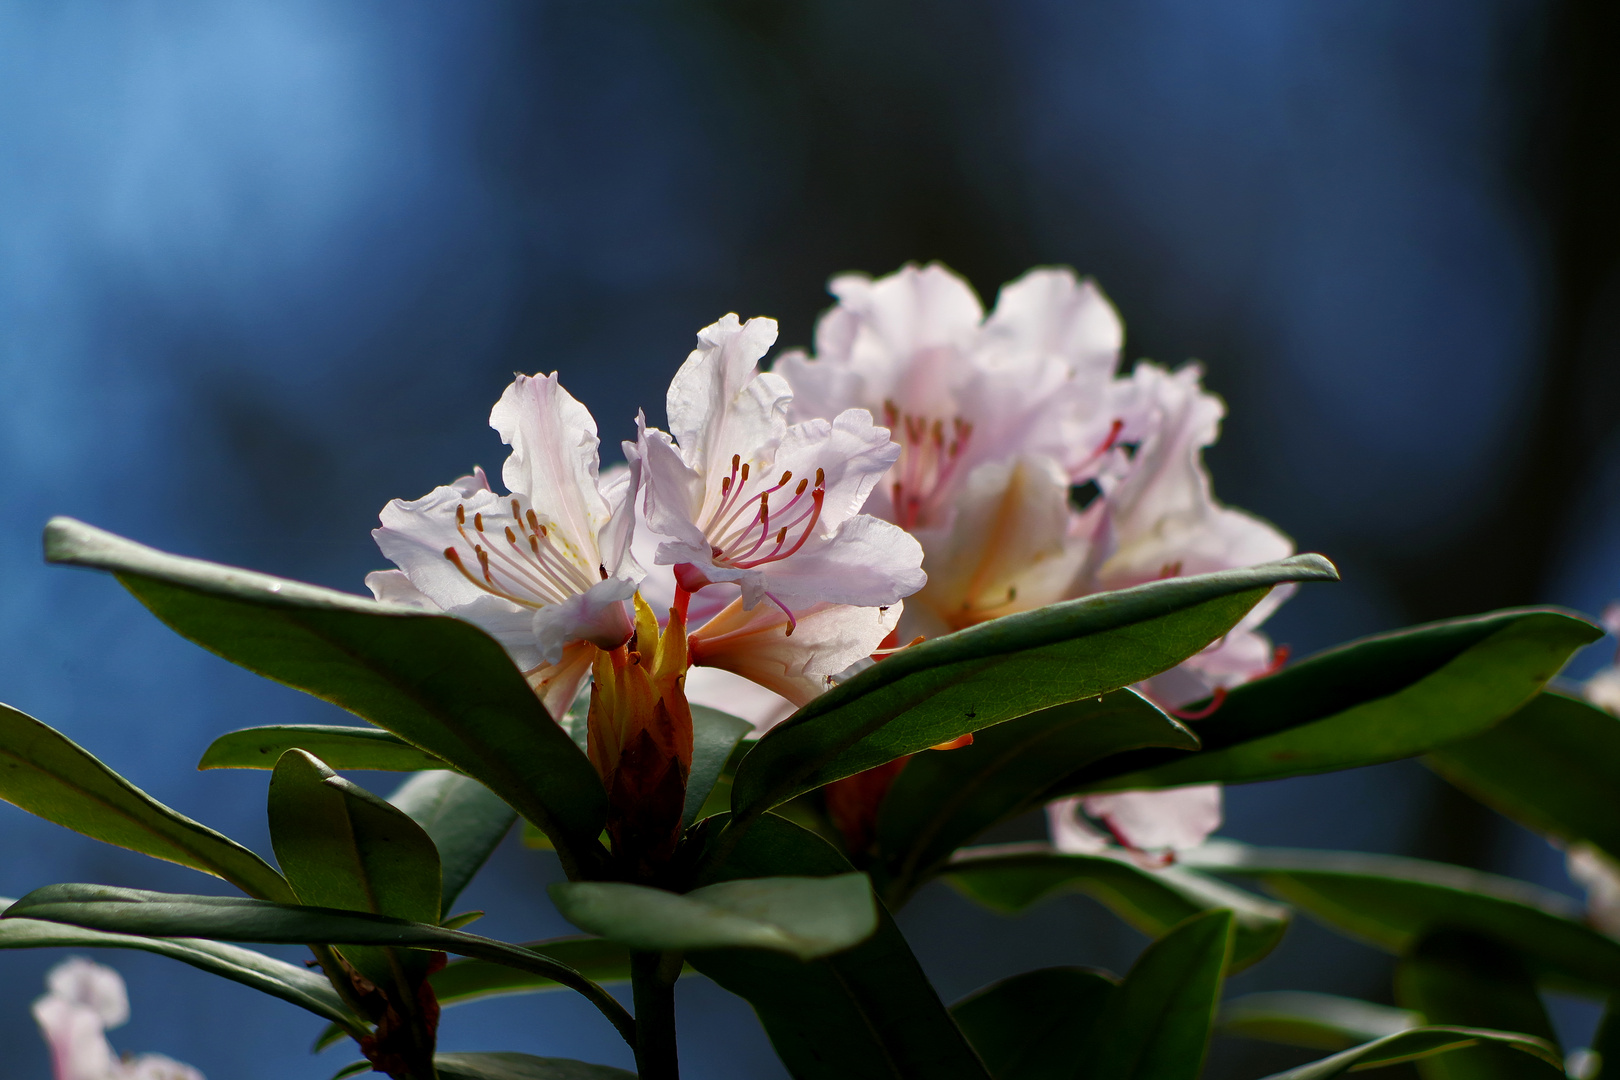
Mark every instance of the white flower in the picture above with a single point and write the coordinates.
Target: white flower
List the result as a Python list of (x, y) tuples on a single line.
[(740, 495), (1599, 875), (84, 1000), (1154, 824), (545, 570)]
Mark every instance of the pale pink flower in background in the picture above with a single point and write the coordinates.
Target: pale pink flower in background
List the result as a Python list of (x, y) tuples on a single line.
[(545, 570), (1005, 423), (740, 496), (1599, 875), (85, 999), (1154, 825), (1603, 688)]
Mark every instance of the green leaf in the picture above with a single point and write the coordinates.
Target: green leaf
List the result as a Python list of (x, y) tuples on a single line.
[(999, 670), (437, 682), (942, 800), (866, 1012), (340, 747), (343, 847), (1553, 766), (1317, 1021), (1011, 877), (808, 917), (597, 959), (465, 820), (1379, 699), (1392, 901), (521, 1067), (48, 775), (290, 982), (1460, 979), (1413, 1045), (714, 736), (1036, 1026), (1156, 1027), (230, 918)]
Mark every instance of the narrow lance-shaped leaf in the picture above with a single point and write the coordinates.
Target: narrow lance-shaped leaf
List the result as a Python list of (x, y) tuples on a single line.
[(1011, 877), (230, 918), (1553, 766), (999, 670), (49, 775), (1414, 1045), (1041, 1025), (340, 747), (289, 982), (522, 1067), (869, 1011), (465, 820), (1157, 1026), (438, 682), (1380, 699), (941, 801), (1317, 1021), (343, 847), (1392, 901), (804, 916)]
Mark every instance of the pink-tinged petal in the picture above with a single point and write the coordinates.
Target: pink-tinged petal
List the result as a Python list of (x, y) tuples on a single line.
[(621, 486), (94, 986), (1070, 833), (709, 411), (737, 696), (553, 463), (597, 615), (1012, 544), (157, 1067), (557, 685), (850, 452), (393, 587), (1599, 875), (866, 562), (74, 1033), (414, 536), (1048, 313), (822, 389), (1603, 690), (672, 498), (825, 640), (1175, 819)]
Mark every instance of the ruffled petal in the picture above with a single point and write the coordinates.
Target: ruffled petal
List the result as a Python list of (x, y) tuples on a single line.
[(554, 458), (672, 498), (1174, 819), (826, 639), (850, 452), (92, 986), (598, 615), (393, 587), (705, 415), (1048, 313), (865, 562)]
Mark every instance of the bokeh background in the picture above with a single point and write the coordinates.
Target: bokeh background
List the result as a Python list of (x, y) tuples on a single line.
[(265, 265)]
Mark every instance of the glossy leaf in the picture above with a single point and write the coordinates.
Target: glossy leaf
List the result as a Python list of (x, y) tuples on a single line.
[(1458, 979), (465, 820), (1157, 1026), (50, 776), (1317, 1021), (808, 917), (342, 847), (1379, 699), (714, 736), (230, 918), (1414, 1045), (1391, 901), (941, 801), (999, 670), (1011, 877), (1553, 766), (437, 682), (521, 1067), (340, 747), (866, 1012), (1041, 1025), (289, 982)]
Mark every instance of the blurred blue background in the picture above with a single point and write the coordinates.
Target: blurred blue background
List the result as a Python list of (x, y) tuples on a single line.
[(265, 265)]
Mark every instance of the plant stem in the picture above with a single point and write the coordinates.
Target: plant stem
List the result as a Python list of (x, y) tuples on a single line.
[(652, 982)]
